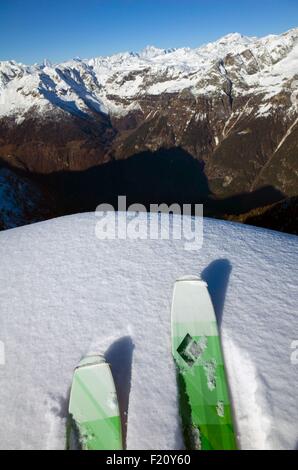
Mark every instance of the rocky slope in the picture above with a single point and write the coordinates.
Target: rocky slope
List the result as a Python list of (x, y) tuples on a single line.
[(282, 216), (23, 200), (231, 105)]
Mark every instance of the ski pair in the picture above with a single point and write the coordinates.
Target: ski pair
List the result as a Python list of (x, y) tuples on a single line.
[(205, 406)]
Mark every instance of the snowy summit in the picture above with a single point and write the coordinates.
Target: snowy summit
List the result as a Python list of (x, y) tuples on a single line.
[(114, 84)]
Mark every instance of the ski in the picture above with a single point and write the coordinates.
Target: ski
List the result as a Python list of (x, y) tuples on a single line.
[(205, 406), (94, 421)]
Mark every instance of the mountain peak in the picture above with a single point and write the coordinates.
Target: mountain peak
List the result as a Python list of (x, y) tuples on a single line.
[(234, 37), (150, 52)]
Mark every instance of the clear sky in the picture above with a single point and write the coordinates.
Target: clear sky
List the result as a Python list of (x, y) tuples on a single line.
[(31, 30)]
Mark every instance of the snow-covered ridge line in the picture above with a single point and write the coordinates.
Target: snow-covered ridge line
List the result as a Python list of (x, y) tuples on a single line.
[(113, 84), (150, 52)]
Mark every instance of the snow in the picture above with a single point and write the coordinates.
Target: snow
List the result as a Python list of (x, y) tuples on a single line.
[(65, 293), (112, 84)]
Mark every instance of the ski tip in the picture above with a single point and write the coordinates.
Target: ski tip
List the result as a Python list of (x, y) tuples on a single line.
[(191, 278), (91, 360)]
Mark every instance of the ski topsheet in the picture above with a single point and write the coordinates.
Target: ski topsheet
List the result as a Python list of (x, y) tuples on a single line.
[(93, 408), (205, 406)]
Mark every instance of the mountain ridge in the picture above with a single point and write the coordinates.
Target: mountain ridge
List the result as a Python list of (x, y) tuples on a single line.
[(231, 104), (81, 76)]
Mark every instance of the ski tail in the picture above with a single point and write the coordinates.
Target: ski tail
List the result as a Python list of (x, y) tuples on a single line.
[(94, 418)]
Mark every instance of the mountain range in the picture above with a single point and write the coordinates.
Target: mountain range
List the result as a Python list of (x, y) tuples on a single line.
[(216, 124)]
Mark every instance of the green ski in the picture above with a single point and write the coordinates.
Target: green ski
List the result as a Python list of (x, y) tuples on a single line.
[(94, 420), (205, 405)]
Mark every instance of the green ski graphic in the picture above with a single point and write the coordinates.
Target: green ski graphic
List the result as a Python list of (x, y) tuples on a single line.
[(204, 399), (94, 421)]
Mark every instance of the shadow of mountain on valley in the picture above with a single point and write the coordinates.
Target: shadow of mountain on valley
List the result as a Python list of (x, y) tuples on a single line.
[(166, 176), (244, 202)]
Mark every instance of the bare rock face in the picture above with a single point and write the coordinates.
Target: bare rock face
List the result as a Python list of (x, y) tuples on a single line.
[(231, 105), (55, 143)]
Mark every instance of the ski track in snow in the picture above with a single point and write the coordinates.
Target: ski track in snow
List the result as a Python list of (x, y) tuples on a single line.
[(251, 409), (65, 293)]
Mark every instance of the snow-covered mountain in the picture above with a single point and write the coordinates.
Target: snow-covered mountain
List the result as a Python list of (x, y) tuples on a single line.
[(114, 84), (65, 293), (231, 105)]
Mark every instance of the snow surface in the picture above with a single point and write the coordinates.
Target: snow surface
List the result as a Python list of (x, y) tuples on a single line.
[(113, 84), (65, 293)]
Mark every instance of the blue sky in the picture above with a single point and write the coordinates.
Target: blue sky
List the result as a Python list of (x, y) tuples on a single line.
[(31, 30)]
